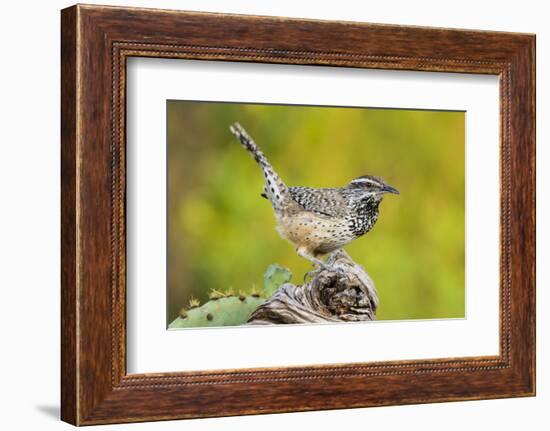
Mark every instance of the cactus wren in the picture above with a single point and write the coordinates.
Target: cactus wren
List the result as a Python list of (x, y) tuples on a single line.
[(318, 220)]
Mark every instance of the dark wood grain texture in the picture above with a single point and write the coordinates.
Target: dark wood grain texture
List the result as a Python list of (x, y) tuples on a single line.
[(96, 41), (68, 217)]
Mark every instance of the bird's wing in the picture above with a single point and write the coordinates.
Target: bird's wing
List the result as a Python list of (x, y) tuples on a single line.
[(328, 202)]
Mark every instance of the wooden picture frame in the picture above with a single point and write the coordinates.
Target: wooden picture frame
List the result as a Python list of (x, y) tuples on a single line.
[(95, 43)]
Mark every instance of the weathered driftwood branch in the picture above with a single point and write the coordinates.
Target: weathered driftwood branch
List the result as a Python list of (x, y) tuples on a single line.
[(345, 293)]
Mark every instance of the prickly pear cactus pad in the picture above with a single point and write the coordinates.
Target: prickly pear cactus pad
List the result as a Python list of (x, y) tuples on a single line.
[(227, 309), (275, 277)]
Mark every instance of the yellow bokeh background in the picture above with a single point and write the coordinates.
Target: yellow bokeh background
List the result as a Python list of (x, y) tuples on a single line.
[(221, 232)]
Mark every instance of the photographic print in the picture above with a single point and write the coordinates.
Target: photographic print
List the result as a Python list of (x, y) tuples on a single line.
[(286, 214)]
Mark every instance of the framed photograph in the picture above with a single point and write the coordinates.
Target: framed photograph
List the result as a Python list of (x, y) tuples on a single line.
[(264, 214)]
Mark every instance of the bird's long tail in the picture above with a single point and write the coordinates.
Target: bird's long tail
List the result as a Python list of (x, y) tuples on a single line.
[(275, 189)]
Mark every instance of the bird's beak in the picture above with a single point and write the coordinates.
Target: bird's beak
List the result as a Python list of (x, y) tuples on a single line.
[(390, 189)]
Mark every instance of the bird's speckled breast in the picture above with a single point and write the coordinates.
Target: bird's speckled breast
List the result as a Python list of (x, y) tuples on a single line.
[(315, 233)]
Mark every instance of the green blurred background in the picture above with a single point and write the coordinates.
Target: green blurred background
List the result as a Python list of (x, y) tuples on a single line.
[(221, 232)]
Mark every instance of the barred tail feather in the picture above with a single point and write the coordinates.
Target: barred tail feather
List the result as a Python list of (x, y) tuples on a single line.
[(275, 189)]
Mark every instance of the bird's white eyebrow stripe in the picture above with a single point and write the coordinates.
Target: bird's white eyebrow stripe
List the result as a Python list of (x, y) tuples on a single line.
[(366, 180)]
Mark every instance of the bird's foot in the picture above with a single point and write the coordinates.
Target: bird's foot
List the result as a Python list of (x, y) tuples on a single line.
[(334, 269), (338, 270), (320, 265)]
